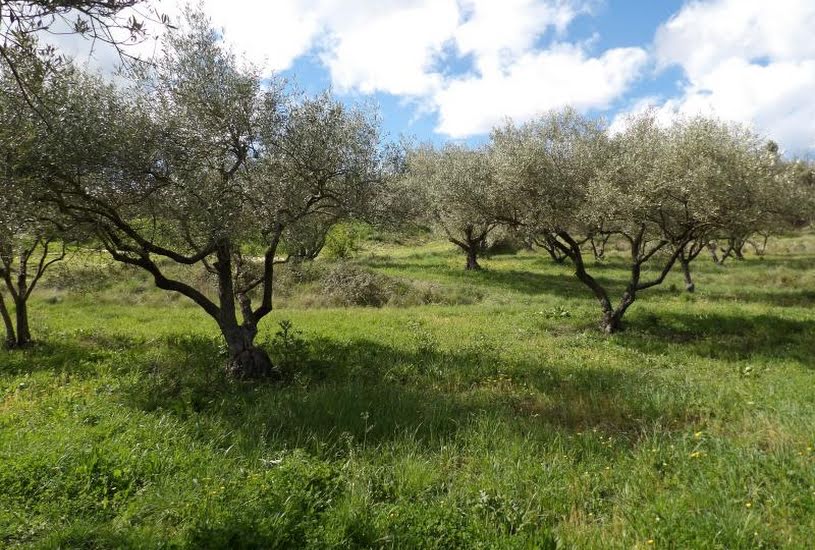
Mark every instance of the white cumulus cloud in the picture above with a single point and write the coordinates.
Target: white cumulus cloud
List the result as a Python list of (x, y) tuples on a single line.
[(472, 62), (537, 81), (748, 61), (388, 46)]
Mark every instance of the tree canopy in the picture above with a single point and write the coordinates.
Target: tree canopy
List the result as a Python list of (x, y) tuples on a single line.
[(201, 163)]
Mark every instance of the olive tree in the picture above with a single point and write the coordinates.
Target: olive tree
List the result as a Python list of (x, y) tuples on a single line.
[(201, 165), (648, 186), (459, 196), (734, 172), (31, 236), (752, 207), (800, 178), (29, 245), (543, 166)]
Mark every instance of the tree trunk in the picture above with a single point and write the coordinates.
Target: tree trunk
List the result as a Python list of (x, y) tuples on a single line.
[(554, 252), (738, 250), (760, 249), (246, 361), (23, 332), (558, 258), (11, 338), (612, 320), (598, 247), (472, 259), (713, 254), (689, 285), (610, 323)]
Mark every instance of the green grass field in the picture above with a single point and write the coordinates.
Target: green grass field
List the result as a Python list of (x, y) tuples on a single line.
[(507, 421)]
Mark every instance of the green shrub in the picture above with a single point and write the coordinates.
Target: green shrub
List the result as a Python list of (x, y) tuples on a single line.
[(344, 240), (289, 276), (505, 244)]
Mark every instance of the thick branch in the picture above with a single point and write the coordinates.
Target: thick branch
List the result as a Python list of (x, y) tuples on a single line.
[(268, 275), (163, 282)]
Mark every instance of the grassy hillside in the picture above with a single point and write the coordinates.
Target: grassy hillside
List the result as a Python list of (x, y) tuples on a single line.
[(472, 410)]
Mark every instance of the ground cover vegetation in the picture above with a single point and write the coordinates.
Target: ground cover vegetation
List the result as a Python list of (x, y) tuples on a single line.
[(237, 316)]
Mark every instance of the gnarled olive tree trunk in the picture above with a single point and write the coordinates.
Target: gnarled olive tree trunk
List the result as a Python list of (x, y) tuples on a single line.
[(598, 245), (472, 244), (735, 248), (246, 360), (689, 284), (11, 337), (687, 254), (612, 317), (554, 252)]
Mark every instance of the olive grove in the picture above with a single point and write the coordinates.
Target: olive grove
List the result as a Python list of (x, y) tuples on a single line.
[(660, 190), (198, 167)]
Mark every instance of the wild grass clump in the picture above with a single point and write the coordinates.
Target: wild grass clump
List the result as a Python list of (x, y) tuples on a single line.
[(349, 285)]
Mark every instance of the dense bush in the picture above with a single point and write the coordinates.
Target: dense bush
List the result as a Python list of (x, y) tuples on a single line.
[(350, 285), (345, 239), (505, 244)]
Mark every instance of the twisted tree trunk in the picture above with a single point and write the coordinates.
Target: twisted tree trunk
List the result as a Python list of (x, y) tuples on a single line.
[(687, 254), (23, 332), (246, 361), (738, 250), (554, 252), (689, 285), (472, 244), (598, 246), (29, 262), (472, 259), (611, 320)]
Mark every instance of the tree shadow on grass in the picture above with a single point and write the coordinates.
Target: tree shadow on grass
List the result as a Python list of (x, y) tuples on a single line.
[(74, 355), (364, 392), (726, 337), (530, 283), (777, 298)]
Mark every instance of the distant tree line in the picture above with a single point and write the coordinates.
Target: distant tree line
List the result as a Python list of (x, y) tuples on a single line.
[(197, 162)]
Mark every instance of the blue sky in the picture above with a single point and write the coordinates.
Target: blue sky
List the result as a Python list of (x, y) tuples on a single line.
[(611, 24), (451, 69)]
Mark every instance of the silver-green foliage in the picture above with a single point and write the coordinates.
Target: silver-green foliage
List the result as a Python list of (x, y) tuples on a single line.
[(458, 193), (203, 163)]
